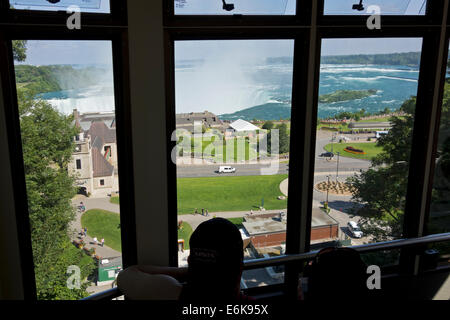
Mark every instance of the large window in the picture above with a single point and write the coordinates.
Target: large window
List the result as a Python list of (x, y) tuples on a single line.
[(91, 6), (227, 7), (385, 7), (233, 109), (65, 90), (365, 115)]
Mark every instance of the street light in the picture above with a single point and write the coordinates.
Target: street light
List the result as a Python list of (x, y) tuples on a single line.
[(332, 140), (328, 187), (337, 167)]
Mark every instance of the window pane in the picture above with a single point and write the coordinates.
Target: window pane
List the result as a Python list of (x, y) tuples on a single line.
[(93, 6), (228, 162), (365, 119), (439, 220), (386, 7), (249, 7), (67, 114)]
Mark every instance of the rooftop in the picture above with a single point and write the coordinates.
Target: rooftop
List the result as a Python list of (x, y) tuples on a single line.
[(265, 224), (242, 125)]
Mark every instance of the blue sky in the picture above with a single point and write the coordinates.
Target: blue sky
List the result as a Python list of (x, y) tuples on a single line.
[(41, 52), (399, 7), (276, 7), (279, 7)]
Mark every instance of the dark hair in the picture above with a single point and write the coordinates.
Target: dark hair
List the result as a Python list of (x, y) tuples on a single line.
[(215, 261), (336, 274)]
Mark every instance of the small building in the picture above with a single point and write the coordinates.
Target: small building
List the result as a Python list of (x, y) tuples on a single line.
[(268, 230), (94, 160), (108, 269), (241, 127), (370, 125), (208, 119)]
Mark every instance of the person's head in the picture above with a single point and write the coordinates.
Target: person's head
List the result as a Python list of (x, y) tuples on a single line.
[(215, 261), (337, 273)]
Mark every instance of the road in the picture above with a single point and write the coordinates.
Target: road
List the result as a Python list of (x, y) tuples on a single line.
[(338, 204), (321, 165)]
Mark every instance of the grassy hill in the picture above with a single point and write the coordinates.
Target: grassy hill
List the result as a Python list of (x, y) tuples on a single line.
[(268, 111), (41, 79)]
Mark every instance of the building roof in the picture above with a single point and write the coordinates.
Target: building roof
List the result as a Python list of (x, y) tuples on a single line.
[(270, 223), (264, 225), (101, 167), (206, 117), (242, 125), (110, 262), (321, 219), (369, 125), (99, 129), (84, 120)]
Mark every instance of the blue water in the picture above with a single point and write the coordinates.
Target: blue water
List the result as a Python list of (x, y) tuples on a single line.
[(394, 85), (236, 87), (225, 90)]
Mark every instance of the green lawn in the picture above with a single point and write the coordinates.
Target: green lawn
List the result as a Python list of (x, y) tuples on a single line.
[(221, 150), (115, 200), (236, 193), (370, 148), (103, 224), (185, 233)]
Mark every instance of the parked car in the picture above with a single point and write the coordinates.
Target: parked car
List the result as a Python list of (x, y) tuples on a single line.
[(226, 169), (354, 229), (327, 154)]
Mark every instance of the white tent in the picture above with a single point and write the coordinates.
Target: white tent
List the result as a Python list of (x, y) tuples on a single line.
[(242, 125)]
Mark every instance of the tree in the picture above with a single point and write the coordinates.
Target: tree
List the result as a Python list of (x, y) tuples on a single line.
[(47, 140), (283, 138), (19, 48), (268, 125), (47, 144), (382, 188)]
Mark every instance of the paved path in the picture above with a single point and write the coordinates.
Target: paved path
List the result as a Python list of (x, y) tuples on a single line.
[(93, 203), (195, 219)]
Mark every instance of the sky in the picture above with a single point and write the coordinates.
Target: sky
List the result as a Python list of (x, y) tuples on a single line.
[(43, 52), (287, 7), (399, 7)]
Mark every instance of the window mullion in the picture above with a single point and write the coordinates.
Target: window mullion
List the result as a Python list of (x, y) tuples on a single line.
[(432, 75)]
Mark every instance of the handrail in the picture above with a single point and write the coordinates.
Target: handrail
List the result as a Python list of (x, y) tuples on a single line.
[(265, 262), (370, 247), (105, 295)]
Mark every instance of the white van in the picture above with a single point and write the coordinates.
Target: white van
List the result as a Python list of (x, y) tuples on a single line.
[(226, 169), (354, 229)]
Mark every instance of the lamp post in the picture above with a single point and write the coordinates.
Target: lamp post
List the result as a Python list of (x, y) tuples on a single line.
[(328, 188), (337, 167)]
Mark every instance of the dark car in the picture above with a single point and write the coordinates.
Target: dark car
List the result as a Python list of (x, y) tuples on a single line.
[(327, 154)]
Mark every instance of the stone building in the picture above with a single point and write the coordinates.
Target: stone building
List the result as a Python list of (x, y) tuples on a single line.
[(94, 161)]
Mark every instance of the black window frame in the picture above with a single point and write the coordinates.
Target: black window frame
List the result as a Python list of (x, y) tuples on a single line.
[(37, 25), (78, 161), (308, 27)]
